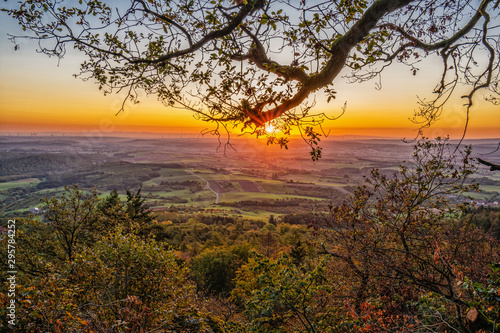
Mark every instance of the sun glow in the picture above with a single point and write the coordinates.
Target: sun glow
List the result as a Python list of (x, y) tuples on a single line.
[(269, 128)]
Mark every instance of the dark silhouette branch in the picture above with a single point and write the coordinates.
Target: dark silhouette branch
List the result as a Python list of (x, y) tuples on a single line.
[(493, 167), (230, 27), (339, 53), (445, 43), (167, 20)]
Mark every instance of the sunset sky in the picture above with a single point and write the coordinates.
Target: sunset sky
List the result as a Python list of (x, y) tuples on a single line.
[(39, 94)]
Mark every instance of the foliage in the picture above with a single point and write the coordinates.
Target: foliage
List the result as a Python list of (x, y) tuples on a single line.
[(72, 223), (280, 296), (121, 284), (487, 218), (217, 58), (406, 234), (46, 304), (214, 269), (113, 213), (73, 220), (484, 308), (37, 246), (135, 283), (137, 212)]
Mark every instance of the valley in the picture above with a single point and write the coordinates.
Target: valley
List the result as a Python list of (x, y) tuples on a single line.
[(249, 179)]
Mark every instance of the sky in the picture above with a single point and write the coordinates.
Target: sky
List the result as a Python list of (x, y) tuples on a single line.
[(39, 94)]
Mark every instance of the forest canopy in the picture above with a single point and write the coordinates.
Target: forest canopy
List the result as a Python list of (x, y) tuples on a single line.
[(248, 63)]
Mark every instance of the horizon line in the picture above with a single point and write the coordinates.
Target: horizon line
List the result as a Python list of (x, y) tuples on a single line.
[(195, 135)]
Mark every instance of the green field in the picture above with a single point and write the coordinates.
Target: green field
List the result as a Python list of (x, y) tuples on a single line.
[(273, 186), (490, 188), (19, 183), (242, 196)]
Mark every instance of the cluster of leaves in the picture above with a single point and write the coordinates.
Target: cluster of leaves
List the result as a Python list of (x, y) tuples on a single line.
[(278, 293)]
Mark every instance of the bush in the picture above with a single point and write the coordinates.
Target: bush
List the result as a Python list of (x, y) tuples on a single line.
[(214, 270)]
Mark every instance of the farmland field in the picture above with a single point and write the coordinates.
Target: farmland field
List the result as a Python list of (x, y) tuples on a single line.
[(187, 173), (19, 183)]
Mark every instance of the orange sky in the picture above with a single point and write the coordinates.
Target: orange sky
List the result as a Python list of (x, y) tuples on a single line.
[(37, 94)]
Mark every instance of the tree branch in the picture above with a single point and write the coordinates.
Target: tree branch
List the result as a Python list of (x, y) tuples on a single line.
[(168, 20), (446, 42), (340, 51), (259, 57), (231, 26)]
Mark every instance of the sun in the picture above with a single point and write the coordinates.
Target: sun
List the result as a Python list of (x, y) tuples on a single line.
[(269, 128)]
